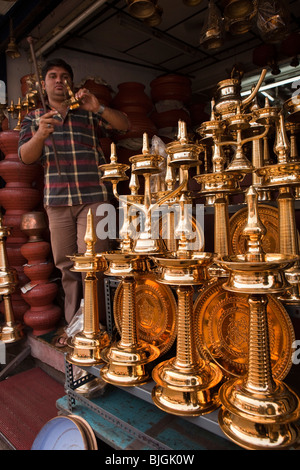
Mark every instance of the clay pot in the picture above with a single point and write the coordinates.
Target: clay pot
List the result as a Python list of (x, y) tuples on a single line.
[(171, 87), (16, 174), (42, 316), (36, 252), (131, 98), (139, 123), (9, 142), (19, 199), (101, 91), (39, 272)]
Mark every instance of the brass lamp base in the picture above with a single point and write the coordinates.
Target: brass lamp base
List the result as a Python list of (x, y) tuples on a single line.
[(86, 349), (11, 333), (277, 406), (254, 436), (190, 392), (127, 366)]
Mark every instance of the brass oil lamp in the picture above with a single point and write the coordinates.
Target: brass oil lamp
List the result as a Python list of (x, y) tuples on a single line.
[(71, 101), (86, 345), (284, 175), (127, 359), (10, 331), (258, 411), (186, 384)]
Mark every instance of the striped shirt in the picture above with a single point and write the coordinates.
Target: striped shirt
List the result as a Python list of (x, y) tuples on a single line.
[(79, 155)]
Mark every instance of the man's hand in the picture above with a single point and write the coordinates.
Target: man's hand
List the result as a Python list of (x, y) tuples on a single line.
[(46, 125), (88, 101)]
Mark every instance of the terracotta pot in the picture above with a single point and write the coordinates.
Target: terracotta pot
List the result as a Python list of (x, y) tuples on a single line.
[(171, 87), (22, 199), (39, 273), (15, 256), (42, 316), (139, 123), (41, 294), (9, 142), (36, 252), (101, 91), (16, 174), (131, 98)]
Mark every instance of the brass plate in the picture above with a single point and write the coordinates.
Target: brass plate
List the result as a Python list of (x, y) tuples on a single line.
[(222, 330), (269, 217), (156, 312)]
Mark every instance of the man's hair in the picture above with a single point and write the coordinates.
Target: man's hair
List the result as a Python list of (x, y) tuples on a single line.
[(56, 63)]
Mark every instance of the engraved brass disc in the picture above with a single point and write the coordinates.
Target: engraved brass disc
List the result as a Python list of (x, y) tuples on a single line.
[(156, 312), (222, 330), (270, 219)]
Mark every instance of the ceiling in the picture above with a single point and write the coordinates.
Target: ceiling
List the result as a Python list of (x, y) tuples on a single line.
[(107, 29)]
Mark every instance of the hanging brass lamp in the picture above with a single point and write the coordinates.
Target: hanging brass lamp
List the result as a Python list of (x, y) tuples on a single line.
[(141, 8), (12, 49), (235, 9), (211, 36)]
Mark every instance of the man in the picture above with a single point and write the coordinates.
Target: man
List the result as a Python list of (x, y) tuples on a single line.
[(69, 195)]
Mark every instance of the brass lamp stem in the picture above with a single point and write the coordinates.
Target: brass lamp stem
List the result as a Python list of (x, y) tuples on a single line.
[(91, 309), (259, 377), (9, 315), (185, 357), (221, 226), (129, 324), (288, 240)]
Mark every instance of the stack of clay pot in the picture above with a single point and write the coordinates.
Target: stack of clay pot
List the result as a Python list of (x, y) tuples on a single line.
[(18, 195), (132, 99), (170, 93), (103, 92), (40, 292)]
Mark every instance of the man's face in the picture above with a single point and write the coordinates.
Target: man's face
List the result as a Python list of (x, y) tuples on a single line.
[(54, 83)]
